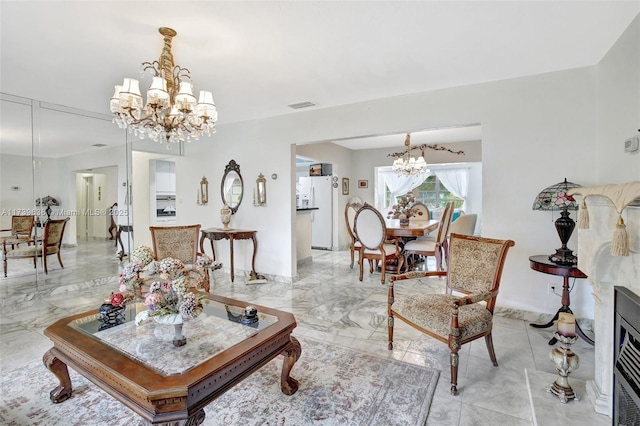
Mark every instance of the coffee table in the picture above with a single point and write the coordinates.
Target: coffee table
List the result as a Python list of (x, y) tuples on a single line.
[(141, 368)]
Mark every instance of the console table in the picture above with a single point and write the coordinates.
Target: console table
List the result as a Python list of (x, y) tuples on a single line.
[(121, 229), (542, 263), (214, 234)]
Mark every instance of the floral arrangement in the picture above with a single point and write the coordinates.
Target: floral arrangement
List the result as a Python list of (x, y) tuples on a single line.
[(130, 278), (402, 210), (170, 267), (203, 260), (171, 298), (142, 255), (172, 283)]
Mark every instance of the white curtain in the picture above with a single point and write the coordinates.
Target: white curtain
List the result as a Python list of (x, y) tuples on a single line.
[(456, 181), (400, 185)]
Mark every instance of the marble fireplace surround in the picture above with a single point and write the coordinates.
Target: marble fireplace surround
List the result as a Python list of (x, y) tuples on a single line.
[(605, 271)]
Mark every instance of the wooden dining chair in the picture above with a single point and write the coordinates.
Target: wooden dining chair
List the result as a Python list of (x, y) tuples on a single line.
[(350, 211), (436, 247), (371, 231), (420, 212), (474, 275)]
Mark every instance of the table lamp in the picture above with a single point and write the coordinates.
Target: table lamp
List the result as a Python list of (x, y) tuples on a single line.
[(555, 197)]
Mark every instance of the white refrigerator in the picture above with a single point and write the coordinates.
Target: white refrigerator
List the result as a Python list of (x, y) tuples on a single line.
[(319, 191)]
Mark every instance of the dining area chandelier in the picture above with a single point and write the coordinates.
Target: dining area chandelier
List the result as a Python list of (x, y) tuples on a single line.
[(406, 164), (171, 113)]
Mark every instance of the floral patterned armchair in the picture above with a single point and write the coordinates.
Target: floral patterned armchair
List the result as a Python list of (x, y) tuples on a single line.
[(474, 272)]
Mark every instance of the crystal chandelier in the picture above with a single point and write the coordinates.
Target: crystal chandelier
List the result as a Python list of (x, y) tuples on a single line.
[(406, 165), (171, 113)]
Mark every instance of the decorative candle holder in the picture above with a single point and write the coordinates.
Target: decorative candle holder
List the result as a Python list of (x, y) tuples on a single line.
[(566, 361)]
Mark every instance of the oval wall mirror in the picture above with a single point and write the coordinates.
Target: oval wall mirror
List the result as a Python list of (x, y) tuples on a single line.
[(232, 186)]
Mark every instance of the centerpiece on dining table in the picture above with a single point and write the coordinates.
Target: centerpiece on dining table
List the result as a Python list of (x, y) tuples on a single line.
[(403, 209)]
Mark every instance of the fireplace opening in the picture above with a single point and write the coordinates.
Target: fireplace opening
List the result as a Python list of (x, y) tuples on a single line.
[(626, 374)]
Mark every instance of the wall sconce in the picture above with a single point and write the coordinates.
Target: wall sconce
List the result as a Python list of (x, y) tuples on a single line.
[(203, 192), (260, 196)]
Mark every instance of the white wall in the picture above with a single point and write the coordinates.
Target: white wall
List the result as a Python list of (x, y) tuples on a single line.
[(530, 125), (618, 107)]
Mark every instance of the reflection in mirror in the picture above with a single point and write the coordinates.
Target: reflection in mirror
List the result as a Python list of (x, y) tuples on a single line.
[(78, 158), (232, 186), (260, 196)]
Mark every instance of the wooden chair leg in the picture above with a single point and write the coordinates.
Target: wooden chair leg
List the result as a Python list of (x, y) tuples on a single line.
[(383, 270), (454, 372), (361, 264), (390, 329), (60, 261), (44, 262), (352, 250), (492, 354)]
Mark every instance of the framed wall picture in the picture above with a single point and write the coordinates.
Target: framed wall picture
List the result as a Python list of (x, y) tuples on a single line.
[(363, 184), (345, 186)]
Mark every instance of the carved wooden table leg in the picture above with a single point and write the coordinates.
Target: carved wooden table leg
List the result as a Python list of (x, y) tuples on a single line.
[(63, 391), (288, 384)]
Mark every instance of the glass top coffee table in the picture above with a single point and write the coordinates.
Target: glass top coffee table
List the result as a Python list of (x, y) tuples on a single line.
[(141, 368)]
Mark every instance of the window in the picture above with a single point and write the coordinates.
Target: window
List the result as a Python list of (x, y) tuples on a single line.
[(434, 194)]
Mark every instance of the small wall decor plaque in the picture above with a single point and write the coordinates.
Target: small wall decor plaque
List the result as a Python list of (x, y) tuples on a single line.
[(363, 184)]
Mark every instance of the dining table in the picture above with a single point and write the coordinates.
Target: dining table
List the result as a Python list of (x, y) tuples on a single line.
[(415, 228)]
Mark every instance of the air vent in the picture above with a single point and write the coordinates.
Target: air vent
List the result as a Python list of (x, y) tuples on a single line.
[(99, 145), (301, 105)]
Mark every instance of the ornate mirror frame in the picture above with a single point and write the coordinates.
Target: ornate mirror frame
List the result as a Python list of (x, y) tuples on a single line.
[(230, 197)]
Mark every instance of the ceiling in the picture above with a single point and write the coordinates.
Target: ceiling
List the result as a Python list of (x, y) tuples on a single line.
[(259, 57)]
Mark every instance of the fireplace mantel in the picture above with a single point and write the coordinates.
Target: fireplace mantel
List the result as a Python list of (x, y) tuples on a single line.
[(606, 204)]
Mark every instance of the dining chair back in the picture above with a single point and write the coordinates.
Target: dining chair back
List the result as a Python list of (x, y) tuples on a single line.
[(436, 247), (464, 224), (350, 217), (474, 274), (371, 231), (420, 212)]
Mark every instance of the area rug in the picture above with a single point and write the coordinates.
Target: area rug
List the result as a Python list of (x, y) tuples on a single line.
[(338, 386)]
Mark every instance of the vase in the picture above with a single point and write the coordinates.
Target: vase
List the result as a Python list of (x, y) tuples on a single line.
[(225, 217), (177, 322), (404, 220), (178, 338)]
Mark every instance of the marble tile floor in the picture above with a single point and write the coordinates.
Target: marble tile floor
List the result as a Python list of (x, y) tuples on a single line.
[(329, 304)]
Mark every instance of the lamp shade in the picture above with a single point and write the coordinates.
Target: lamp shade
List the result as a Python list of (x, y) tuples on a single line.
[(555, 197)]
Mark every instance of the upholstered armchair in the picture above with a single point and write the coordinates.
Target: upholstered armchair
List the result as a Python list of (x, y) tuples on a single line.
[(465, 224), (21, 229), (465, 312), (43, 247), (181, 242), (371, 231)]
